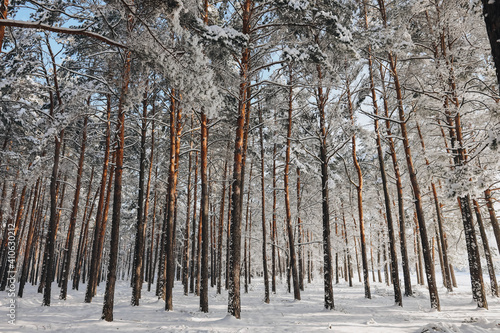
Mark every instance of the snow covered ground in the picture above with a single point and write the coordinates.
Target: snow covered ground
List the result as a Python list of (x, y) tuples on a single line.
[(353, 313)]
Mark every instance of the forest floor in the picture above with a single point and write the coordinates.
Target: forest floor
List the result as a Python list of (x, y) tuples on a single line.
[(353, 313)]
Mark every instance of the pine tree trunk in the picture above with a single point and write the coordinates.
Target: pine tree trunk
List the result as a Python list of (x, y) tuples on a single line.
[(491, 13), (429, 268), (74, 213), (359, 189), (169, 271), (299, 232), (348, 255), (3, 11), (193, 237), (487, 253), (493, 217), (100, 215), (476, 275), (204, 214), (263, 209), (291, 243), (234, 303), (53, 221), (185, 257), (107, 311), (82, 242), (273, 225), (325, 201), (146, 203), (141, 226), (29, 239)]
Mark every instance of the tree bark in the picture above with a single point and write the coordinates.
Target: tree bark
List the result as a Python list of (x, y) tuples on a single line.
[(289, 227), (263, 208), (83, 232), (171, 203), (204, 214), (107, 311), (359, 190), (185, 259), (74, 213), (53, 220), (325, 201), (140, 234), (234, 302), (487, 253), (429, 268), (491, 13), (89, 294), (493, 217)]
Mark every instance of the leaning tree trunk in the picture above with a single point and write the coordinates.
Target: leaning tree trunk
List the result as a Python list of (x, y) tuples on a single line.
[(493, 216), (441, 242), (460, 159), (487, 252), (405, 263), (429, 267)]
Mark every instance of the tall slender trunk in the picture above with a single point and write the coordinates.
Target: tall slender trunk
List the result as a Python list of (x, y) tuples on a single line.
[(359, 190), (221, 227), (148, 193), (299, 233), (193, 235), (491, 13), (83, 232), (228, 234), (140, 234), (89, 294), (273, 224), (429, 268), (74, 213), (234, 303), (405, 263), (171, 202), (107, 311), (487, 253), (204, 213), (325, 201), (185, 259), (53, 220), (460, 159), (493, 217), (29, 239), (291, 243), (447, 277), (246, 248), (154, 240), (263, 209)]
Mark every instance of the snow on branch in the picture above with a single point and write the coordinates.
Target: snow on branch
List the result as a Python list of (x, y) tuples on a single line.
[(69, 31)]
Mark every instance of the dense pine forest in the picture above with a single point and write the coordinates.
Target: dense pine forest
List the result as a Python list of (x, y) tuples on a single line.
[(197, 146)]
